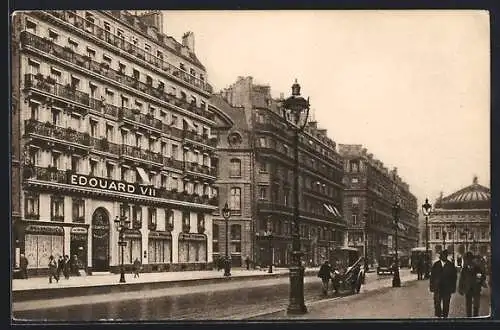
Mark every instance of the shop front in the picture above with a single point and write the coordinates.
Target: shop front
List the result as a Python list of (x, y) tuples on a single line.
[(100, 240), (41, 242), (192, 251), (78, 246), (159, 251)]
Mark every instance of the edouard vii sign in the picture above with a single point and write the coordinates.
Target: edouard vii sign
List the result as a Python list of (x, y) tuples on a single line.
[(110, 185)]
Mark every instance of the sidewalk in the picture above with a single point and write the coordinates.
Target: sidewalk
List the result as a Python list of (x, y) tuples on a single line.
[(40, 288), (411, 300)]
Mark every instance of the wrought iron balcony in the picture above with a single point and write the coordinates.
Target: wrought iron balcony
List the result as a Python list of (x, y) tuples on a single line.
[(200, 169), (202, 139), (173, 163), (132, 49), (49, 173), (102, 68), (48, 85), (142, 154), (104, 145), (49, 130), (137, 117)]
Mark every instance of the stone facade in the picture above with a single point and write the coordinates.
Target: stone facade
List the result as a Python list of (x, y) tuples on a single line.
[(112, 120), (368, 199)]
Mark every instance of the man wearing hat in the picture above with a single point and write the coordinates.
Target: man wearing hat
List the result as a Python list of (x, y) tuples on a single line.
[(472, 279), (443, 283)]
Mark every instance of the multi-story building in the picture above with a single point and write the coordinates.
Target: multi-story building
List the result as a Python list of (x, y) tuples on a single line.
[(461, 222), (260, 172), (110, 121), (371, 190)]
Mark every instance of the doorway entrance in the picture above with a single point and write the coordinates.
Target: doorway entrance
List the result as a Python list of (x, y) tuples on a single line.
[(100, 240)]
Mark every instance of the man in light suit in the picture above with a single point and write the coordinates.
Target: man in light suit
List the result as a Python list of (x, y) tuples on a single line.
[(443, 283)]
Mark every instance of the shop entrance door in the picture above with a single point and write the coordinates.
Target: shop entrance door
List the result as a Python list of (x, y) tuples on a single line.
[(100, 240)]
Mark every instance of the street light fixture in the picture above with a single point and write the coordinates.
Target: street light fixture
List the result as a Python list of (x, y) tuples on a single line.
[(466, 233), (295, 111), (122, 224), (269, 234), (426, 210), (226, 213), (444, 240), (396, 280)]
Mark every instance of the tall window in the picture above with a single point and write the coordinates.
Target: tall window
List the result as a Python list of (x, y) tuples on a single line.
[(263, 166), (169, 218), (93, 168), (152, 218), (185, 218), (235, 168), (263, 192), (235, 238), (78, 210), (286, 197), (354, 219), (235, 199), (125, 211), (201, 220), (215, 238), (57, 208), (137, 214), (32, 206)]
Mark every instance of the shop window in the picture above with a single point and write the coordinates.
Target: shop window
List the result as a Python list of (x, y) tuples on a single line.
[(137, 216), (125, 211), (235, 232), (57, 208), (152, 218), (32, 206), (78, 210)]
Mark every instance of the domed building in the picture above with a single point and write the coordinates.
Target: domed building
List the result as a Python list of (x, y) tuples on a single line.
[(461, 222)]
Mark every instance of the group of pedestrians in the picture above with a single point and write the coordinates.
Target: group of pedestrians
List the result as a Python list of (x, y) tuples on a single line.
[(60, 266), (443, 283)]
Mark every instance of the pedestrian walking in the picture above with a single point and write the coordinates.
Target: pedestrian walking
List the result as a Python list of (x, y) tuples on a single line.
[(443, 283), (137, 267), (66, 267), (60, 266), (325, 275), (53, 269), (23, 264), (247, 262), (74, 265), (472, 280), (420, 266)]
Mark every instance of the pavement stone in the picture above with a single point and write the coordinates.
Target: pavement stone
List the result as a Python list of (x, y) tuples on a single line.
[(411, 300)]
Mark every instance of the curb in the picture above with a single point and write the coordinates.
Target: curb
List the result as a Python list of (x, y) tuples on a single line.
[(363, 295), (62, 292)]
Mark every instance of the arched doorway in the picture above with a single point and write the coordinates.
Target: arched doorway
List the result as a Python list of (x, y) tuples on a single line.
[(100, 240)]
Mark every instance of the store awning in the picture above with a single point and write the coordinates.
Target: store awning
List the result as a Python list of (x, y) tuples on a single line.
[(189, 124), (144, 176), (336, 211), (401, 226), (329, 208)]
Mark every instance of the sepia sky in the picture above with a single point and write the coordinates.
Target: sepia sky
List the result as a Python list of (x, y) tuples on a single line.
[(412, 86)]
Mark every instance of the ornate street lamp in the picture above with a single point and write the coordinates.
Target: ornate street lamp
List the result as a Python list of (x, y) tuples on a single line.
[(295, 111), (226, 213), (426, 210), (396, 281), (453, 228), (122, 224), (466, 234), (269, 234)]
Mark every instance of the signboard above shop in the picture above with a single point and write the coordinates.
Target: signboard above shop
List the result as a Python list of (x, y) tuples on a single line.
[(111, 185)]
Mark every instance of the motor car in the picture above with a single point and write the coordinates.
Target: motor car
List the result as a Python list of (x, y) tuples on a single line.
[(385, 264)]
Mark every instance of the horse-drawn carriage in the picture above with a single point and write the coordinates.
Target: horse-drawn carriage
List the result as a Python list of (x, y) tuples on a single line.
[(349, 270)]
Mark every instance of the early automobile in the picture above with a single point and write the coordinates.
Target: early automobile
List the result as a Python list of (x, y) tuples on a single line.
[(385, 264), (348, 270)]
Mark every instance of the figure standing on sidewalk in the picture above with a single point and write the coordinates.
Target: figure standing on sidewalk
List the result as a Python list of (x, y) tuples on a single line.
[(443, 284), (137, 267), (66, 267), (247, 262), (420, 266), (472, 279), (23, 264), (53, 269), (325, 275), (60, 266)]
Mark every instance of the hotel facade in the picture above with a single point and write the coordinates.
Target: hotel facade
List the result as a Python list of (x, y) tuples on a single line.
[(110, 120)]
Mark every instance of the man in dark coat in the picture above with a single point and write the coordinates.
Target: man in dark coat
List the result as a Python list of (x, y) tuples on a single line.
[(325, 275), (420, 266), (443, 284), (472, 279), (23, 264)]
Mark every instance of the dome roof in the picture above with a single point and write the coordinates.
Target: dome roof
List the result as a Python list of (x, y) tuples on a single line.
[(474, 196)]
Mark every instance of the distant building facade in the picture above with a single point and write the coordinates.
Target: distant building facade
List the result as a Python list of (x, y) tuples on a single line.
[(110, 120), (461, 222), (371, 190), (265, 153)]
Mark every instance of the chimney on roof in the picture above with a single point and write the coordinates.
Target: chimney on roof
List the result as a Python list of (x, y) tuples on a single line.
[(152, 18), (188, 41), (474, 180)]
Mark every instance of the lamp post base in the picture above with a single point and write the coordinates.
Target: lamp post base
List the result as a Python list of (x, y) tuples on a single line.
[(122, 276), (270, 270), (296, 304), (396, 280)]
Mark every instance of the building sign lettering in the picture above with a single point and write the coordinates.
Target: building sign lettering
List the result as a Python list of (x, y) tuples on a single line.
[(111, 185)]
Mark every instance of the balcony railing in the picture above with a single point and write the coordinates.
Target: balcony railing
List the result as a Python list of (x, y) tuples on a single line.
[(139, 153), (136, 116), (130, 48), (47, 174), (49, 130), (48, 85), (102, 68), (174, 163), (204, 139), (105, 145), (197, 168)]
